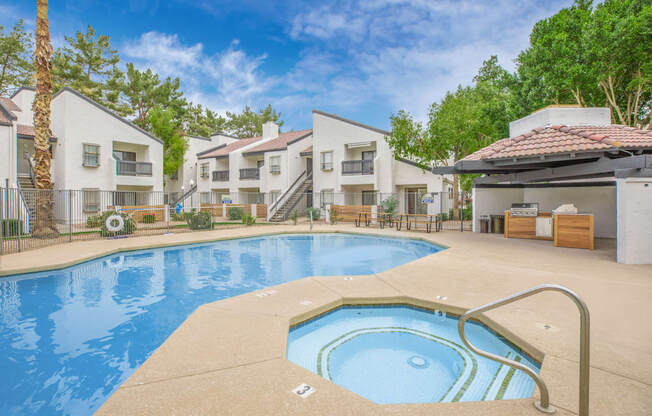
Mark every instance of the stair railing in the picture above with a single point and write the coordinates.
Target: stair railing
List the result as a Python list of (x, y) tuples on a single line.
[(288, 192), (543, 404), (30, 162), (185, 195)]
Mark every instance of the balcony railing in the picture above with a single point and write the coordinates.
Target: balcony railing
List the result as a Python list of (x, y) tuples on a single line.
[(129, 168), (250, 173), (220, 175), (357, 167)]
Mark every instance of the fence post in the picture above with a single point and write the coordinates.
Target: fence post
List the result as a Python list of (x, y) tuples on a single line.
[(166, 207), (69, 216), (441, 208), (2, 223), (462, 212), (20, 220)]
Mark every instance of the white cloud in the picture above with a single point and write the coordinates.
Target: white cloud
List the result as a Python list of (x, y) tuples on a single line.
[(406, 54), (226, 81)]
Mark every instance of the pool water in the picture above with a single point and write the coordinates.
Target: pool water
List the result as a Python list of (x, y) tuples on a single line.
[(70, 337), (402, 354)]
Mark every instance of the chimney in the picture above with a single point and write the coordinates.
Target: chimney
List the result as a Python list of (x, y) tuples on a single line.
[(567, 115), (270, 130)]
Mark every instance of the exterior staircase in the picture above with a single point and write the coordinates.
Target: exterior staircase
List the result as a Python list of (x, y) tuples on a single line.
[(290, 199), (28, 194)]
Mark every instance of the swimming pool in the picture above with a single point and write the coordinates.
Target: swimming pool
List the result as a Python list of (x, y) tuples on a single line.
[(402, 354), (70, 337)]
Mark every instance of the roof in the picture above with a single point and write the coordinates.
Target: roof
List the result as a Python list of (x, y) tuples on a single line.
[(24, 87), (355, 123), (559, 139), (224, 150), (25, 131), (281, 142), (192, 136), (306, 152), (6, 114), (106, 110), (9, 105)]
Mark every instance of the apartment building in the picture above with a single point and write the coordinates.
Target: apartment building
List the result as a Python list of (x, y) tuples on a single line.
[(354, 165), (246, 170), (93, 150), (184, 181)]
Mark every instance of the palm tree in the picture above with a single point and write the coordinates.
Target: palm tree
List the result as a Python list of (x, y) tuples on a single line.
[(44, 225)]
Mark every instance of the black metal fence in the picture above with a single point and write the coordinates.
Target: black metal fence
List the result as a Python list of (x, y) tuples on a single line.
[(31, 218)]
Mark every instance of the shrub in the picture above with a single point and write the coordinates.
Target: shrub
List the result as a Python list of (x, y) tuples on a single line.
[(332, 216), (248, 219), (11, 227), (450, 214), (178, 217), (94, 221), (316, 213), (467, 213), (129, 224), (389, 205), (149, 219), (200, 221), (235, 213), (294, 216)]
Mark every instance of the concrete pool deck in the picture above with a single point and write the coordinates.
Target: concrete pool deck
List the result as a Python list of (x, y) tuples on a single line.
[(228, 357)]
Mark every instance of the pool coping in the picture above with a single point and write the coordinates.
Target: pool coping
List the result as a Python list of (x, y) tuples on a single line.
[(145, 245)]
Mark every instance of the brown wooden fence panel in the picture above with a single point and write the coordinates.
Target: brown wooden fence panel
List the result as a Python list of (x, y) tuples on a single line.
[(139, 211)]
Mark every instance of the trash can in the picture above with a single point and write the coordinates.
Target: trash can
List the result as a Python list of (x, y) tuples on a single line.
[(484, 224), (498, 224)]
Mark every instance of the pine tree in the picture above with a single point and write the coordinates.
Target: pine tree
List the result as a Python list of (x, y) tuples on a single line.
[(16, 65)]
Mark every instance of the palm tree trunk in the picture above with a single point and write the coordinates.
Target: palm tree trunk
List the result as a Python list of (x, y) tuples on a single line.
[(44, 223)]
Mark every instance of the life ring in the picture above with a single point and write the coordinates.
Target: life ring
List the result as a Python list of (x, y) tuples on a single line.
[(117, 227)]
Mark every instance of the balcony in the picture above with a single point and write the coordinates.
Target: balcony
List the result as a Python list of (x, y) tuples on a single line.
[(220, 175), (357, 167), (129, 168), (250, 173)]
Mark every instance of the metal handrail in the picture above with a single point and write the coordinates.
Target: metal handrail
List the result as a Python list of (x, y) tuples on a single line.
[(543, 404), (288, 192)]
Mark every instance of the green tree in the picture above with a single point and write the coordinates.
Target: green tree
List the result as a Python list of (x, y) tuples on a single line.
[(90, 65), (555, 69), (165, 125), (201, 121), (16, 66), (457, 126), (619, 43), (249, 123), (143, 91)]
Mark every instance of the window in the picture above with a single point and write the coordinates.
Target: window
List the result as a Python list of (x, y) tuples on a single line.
[(91, 155), (327, 197), (371, 155), (205, 197), (275, 164), (122, 198), (368, 197), (126, 156), (203, 170), (91, 200), (326, 159), (450, 192)]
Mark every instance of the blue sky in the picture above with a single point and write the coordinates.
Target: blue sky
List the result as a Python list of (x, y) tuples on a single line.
[(361, 59)]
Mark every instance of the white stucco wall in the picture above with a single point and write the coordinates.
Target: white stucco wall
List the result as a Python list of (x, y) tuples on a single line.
[(634, 220), (24, 99), (190, 168), (76, 121), (8, 152), (599, 200), (333, 134), (550, 116)]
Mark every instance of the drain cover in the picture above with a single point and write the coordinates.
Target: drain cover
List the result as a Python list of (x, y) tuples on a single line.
[(418, 362)]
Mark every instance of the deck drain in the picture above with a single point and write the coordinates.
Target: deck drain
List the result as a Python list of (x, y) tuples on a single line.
[(440, 297), (348, 278), (418, 362)]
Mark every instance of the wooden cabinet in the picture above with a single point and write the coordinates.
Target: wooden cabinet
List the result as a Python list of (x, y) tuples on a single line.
[(523, 227), (573, 230)]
